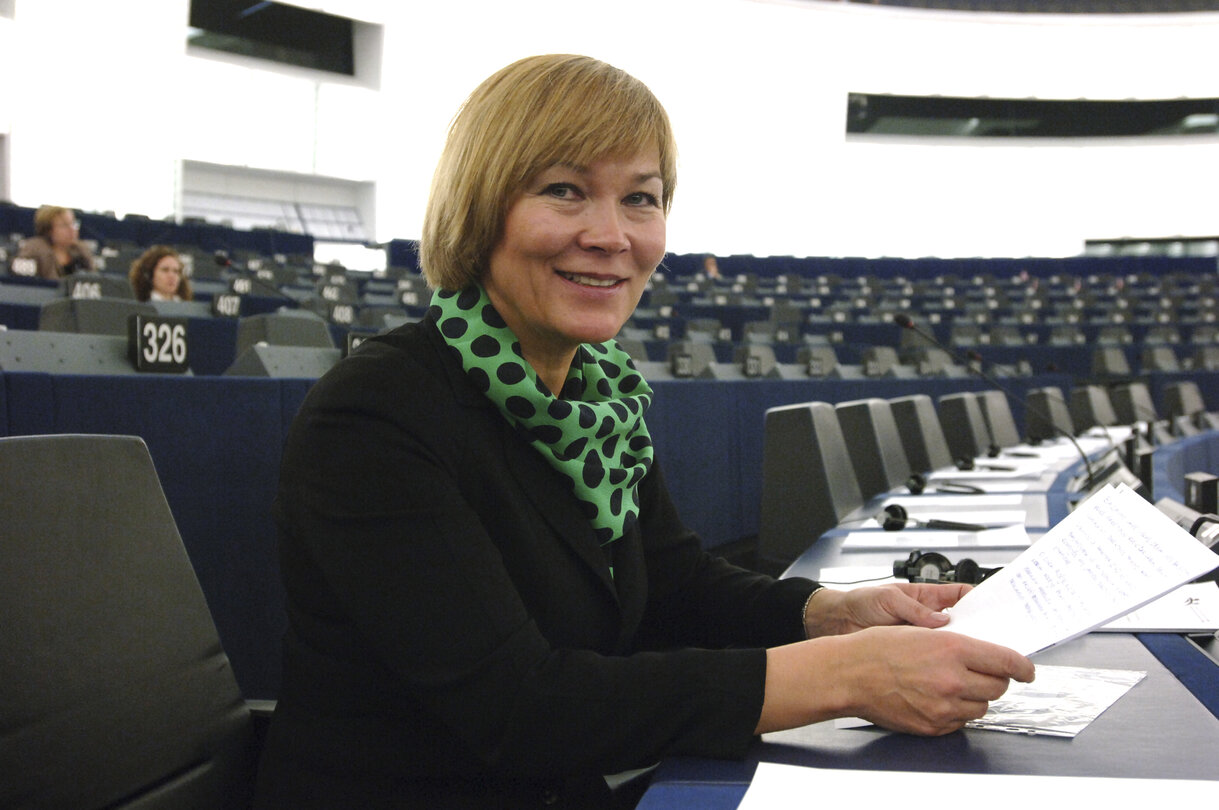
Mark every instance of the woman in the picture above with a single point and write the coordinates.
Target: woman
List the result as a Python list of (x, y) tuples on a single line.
[(491, 599), (157, 276), (56, 245)]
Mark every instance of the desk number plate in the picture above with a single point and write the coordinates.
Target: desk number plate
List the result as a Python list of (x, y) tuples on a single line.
[(157, 344)]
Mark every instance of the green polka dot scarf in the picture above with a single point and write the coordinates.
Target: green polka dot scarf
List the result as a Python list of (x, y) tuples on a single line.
[(593, 434)]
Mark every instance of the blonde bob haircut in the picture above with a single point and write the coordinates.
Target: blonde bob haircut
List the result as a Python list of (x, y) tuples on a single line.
[(530, 115)]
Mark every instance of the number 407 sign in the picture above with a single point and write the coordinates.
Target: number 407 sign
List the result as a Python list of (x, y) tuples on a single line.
[(157, 344)]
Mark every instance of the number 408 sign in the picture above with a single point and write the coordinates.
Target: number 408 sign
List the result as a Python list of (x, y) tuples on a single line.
[(157, 344)]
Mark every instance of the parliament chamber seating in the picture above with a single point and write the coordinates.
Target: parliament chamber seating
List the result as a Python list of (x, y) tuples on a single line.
[(790, 330)]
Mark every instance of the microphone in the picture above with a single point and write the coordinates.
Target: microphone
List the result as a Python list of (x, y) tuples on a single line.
[(906, 322)]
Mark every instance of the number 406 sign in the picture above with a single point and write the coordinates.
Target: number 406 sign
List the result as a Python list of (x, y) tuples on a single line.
[(157, 344)]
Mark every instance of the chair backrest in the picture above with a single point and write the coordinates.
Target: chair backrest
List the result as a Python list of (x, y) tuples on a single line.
[(91, 316), (1110, 361), (690, 358), (63, 353), (921, 433), (117, 692), (1132, 403), (818, 360), (1090, 405), (284, 328), (879, 361), (969, 439), (873, 444), (807, 481), (1159, 358), (755, 360), (997, 414), (1206, 358), (1047, 415), (1183, 399)]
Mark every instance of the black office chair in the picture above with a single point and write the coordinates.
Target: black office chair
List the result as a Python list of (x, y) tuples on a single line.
[(1000, 423), (117, 692), (1159, 358), (921, 433), (818, 360), (969, 437), (1187, 409), (1047, 415), (1110, 361), (690, 358), (1090, 406), (873, 445), (287, 327), (808, 484)]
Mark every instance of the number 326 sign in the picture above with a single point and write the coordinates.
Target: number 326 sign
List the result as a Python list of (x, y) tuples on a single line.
[(157, 344)]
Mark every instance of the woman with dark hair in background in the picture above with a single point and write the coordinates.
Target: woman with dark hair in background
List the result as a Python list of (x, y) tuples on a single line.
[(56, 245), (492, 601), (158, 276)]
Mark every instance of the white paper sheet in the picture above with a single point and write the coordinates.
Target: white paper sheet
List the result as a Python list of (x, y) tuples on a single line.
[(916, 504), (1191, 608), (1113, 554), (1023, 470), (1061, 702), (988, 486), (938, 539), (792, 787), (991, 518), (849, 577)]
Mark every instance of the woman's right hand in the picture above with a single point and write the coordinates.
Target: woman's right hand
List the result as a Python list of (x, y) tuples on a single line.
[(903, 678)]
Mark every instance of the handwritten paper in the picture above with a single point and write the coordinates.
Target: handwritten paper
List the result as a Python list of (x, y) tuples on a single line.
[(1113, 554)]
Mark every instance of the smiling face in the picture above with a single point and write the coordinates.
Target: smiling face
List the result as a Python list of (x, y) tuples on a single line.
[(167, 276), (577, 248)]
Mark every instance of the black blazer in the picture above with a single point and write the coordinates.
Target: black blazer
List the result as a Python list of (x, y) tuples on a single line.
[(455, 636)]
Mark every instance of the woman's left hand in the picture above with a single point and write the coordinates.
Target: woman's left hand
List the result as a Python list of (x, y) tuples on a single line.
[(833, 612)]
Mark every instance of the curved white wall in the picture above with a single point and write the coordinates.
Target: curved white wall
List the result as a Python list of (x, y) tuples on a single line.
[(106, 103)]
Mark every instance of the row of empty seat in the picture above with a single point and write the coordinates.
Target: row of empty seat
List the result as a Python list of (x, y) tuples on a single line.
[(219, 342), (821, 461)]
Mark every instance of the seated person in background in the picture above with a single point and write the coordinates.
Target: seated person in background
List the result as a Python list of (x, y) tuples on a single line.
[(492, 601), (56, 245), (157, 276)]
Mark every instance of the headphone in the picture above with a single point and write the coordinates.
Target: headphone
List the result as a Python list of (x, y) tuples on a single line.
[(894, 518), (933, 567), (917, 484)]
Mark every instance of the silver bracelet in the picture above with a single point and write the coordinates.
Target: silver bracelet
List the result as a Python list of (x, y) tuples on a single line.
[(804, 610)]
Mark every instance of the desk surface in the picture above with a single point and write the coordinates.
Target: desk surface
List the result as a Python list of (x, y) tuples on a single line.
[(1157, 730)]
